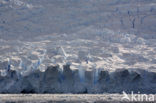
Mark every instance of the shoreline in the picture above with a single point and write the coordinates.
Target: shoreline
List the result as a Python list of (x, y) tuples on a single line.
[(65, 98)]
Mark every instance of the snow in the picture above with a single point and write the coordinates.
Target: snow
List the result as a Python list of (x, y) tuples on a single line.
[(83, 46)]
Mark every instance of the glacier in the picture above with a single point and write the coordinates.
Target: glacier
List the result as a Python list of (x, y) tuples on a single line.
[(83, 46), (111, 63)]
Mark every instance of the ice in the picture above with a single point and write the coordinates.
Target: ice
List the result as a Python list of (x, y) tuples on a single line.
[(84, 46), (81, 65), (42, 68), (95, 74), (9, 64), (53, 61), (4, 73), (61, 76), (62, 51), (66, 81), (81, 73), (21, 65)]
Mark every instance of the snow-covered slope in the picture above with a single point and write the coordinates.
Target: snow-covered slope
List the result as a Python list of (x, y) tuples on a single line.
[(29, 18)]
